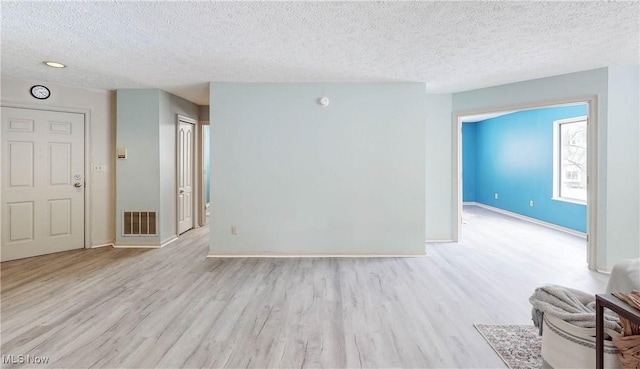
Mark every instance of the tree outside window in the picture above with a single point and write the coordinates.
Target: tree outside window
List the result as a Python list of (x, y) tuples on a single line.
[(572, 176)]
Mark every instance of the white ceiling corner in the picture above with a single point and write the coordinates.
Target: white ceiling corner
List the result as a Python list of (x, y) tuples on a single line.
[(180, 46)]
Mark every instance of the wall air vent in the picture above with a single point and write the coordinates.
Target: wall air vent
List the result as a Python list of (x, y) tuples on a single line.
[(139, 223)]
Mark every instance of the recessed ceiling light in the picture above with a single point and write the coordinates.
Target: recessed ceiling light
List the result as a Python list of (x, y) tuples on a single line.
[(54, 64)]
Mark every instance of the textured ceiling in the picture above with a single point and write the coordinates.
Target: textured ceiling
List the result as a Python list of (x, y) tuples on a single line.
[(180, 46)]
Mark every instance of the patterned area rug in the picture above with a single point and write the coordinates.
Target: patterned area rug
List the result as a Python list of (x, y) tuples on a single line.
[(519, 346)]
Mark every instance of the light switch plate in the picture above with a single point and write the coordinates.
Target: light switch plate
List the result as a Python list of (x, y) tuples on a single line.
[(99, 167)]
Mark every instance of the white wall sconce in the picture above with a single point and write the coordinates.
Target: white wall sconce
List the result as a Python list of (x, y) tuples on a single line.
[(323, 101)]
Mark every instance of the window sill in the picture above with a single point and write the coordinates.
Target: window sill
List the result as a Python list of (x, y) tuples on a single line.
[(572, 201)]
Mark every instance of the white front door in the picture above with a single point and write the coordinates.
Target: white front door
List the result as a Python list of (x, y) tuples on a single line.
[(42, 182), (185, 176)]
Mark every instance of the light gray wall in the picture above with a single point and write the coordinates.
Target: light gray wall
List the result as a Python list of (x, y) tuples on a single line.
[(298, 178), (138, 177), (612, 206), (147, 120), (169, 108), (101, 145), (439, 192), (623, 164)]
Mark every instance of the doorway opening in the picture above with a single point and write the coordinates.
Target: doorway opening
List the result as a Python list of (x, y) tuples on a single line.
[(545, 172)]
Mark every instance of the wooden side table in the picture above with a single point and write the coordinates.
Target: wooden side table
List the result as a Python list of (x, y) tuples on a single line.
[(618, 306)]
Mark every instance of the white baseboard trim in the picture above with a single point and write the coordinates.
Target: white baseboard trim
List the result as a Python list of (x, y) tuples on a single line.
[(137, 245), (439, 241), (529, 219), (102, 245), (144, 245), (291, 255), (168, 241)]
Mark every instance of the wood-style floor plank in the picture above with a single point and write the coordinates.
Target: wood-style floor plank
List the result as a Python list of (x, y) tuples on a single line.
[(174, 308)]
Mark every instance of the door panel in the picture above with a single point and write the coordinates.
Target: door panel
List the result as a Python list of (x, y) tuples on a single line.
[(21, 221), (42, 163), (60, 217), (60, 164), (185, 176), (20, 125), (21, 164)]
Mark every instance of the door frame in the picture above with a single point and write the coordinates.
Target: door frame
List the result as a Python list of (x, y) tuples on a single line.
[(592, 165), (196, 188), (88, 174)]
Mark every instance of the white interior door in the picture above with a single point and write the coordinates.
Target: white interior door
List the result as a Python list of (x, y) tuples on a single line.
[(42, 182), (185, 176)]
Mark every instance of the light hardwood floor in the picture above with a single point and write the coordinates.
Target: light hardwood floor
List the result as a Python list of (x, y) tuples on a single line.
[(172, 307)]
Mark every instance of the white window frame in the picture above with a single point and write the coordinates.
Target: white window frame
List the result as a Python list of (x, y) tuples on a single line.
[(556, 159)]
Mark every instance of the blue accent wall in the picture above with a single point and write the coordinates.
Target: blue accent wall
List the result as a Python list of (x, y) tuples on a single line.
[(513, 156), (469, 162)]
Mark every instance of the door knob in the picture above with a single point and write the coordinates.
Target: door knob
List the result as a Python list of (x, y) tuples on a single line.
[(181, 190), (77, 185)]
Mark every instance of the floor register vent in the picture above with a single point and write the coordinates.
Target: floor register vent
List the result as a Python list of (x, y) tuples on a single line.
[(139, 223)]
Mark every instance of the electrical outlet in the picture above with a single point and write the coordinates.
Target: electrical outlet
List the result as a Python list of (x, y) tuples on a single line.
[(234, 230), (495, 195), (531, 203)]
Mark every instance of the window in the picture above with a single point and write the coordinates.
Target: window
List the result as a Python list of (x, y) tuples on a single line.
[(570, 160)]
